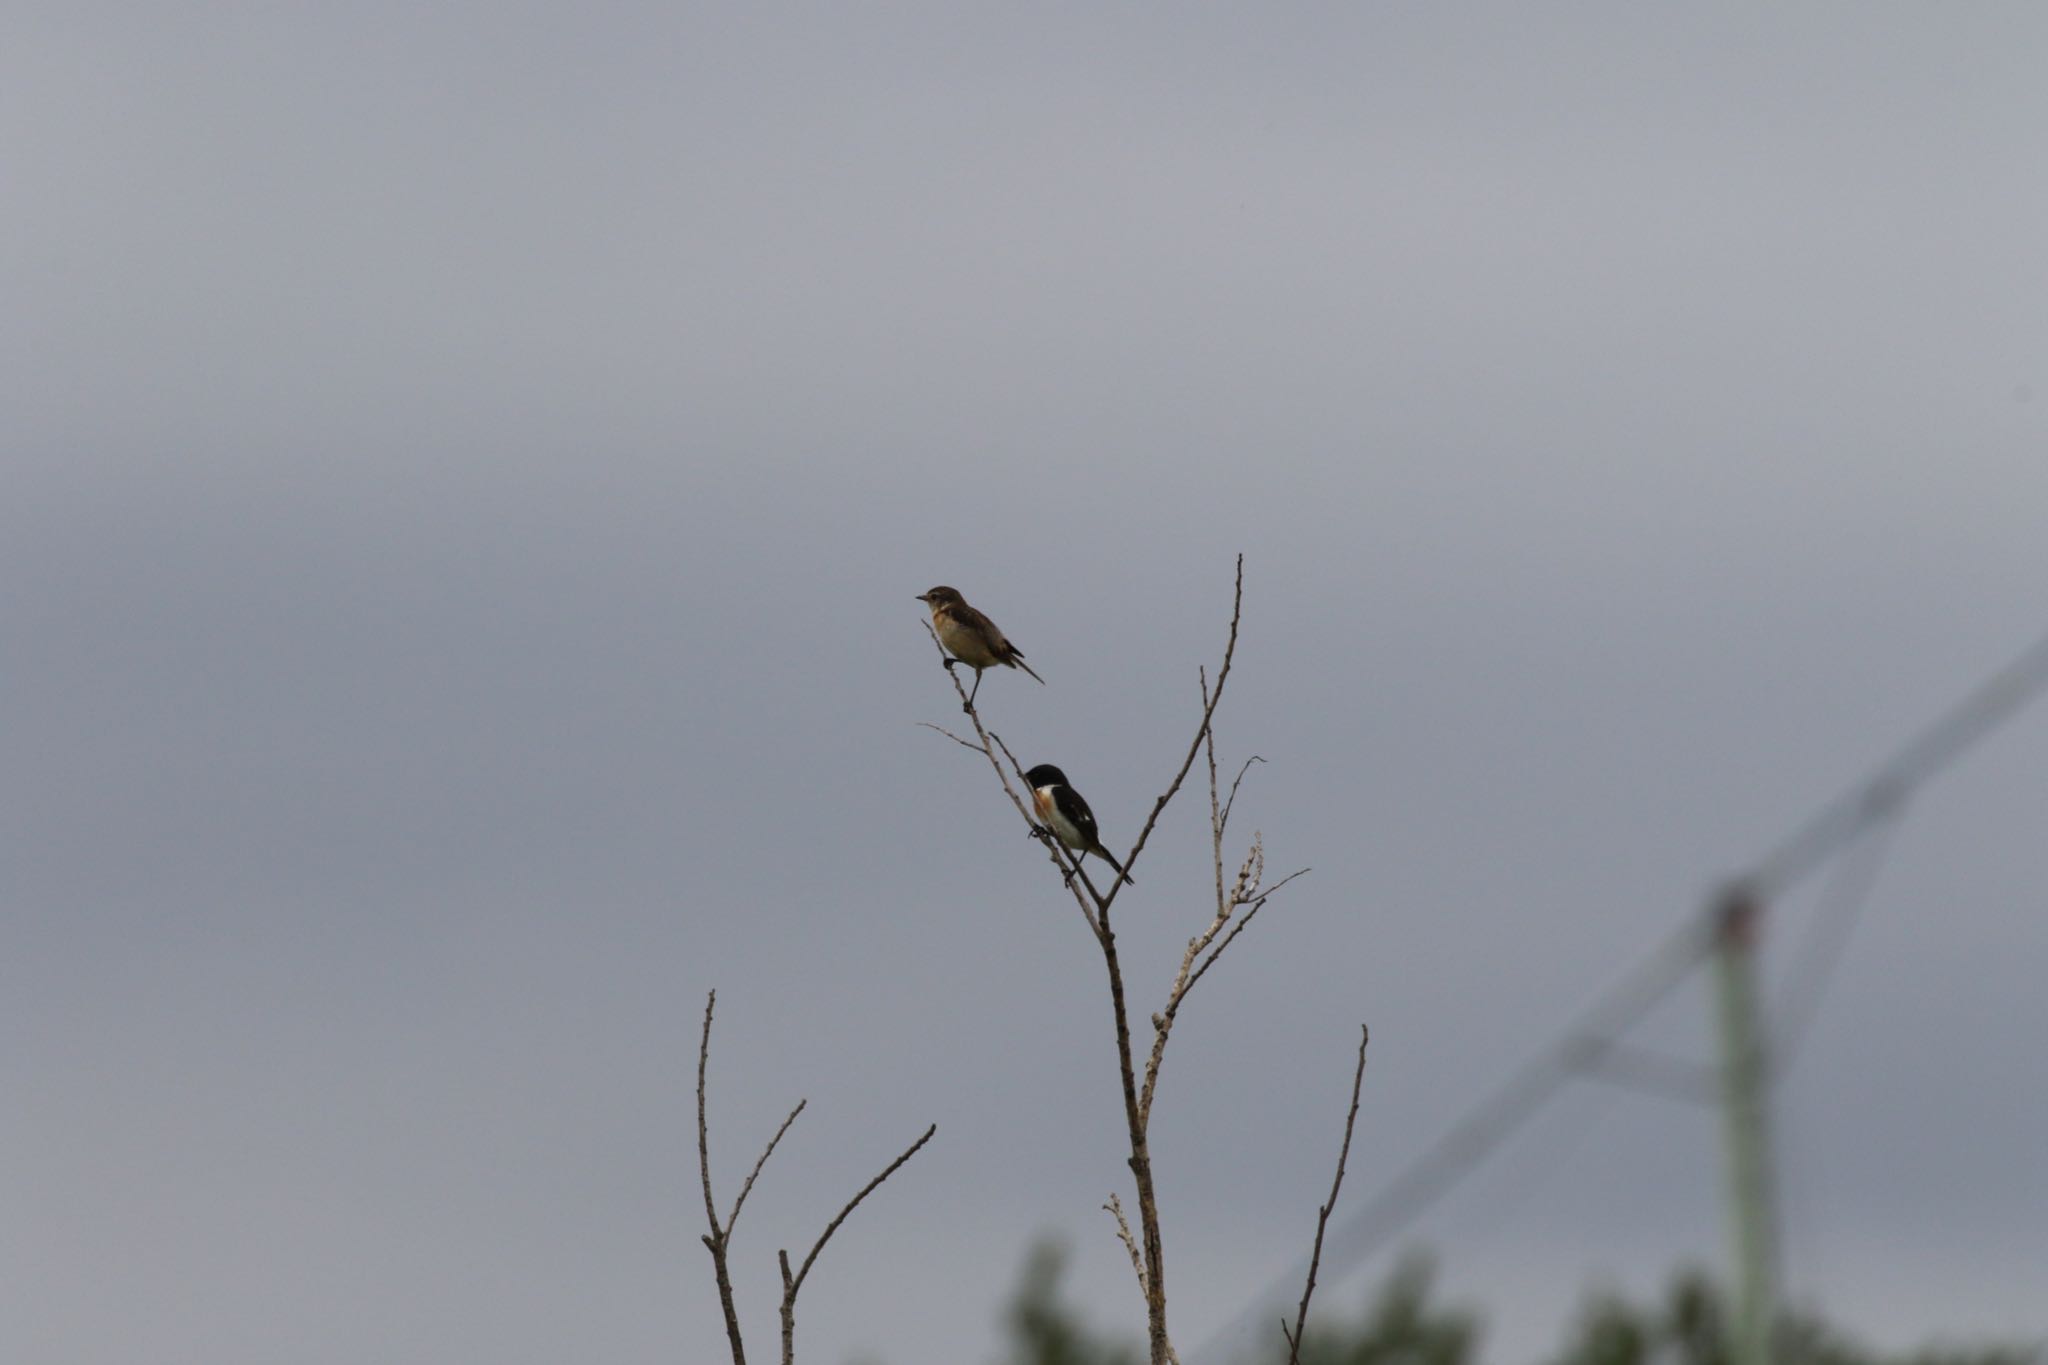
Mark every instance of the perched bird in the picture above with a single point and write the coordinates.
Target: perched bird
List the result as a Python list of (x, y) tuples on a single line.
[(970, 637), (1068, 816)]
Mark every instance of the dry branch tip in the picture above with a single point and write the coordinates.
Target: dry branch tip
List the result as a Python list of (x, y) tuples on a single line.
[(1323, 1213)]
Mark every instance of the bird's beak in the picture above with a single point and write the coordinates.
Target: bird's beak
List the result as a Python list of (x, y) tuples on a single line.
[(920, 597)]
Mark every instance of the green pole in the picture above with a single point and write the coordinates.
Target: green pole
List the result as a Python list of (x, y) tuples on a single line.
[(1744, 1083)]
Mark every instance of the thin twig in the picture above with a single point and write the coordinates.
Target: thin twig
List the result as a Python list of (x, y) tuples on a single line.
[(703, 1127), (950, 735), (1123, 1232), (1239, 927), (1323, 1215), (1234, 782), (1208, 711), (716, 1240), (975, 716), (1229, 938), (1298, 872), (1247, 893), (766, 1152), (1215, 811), (792, 1283), (1162, 1022), (854, 1203)]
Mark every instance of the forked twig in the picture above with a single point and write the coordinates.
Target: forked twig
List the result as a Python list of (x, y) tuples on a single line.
[(1246, 892), (792, 1283), (1232, 801), (1202, 968), (719, 1240), (1208, 712), (1239, 927)]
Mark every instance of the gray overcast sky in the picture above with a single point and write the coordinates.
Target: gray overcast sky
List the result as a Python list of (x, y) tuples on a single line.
[(466, 473)]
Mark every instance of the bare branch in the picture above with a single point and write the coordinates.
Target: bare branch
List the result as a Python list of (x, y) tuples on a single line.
[(792, 1283), (1215, 811), (854, 1202), (955, 738), (716, 1240), (1239, 927), (1275, 887), (1323, 1215), (1229, 938), (987, 748), (1162, 1022), (1247, 892), (1136, 1121), (1232, 801), (788, 1309), (1015, 766), (1123, 1231), (703, 1128), (1208, 711), (766, 1152)]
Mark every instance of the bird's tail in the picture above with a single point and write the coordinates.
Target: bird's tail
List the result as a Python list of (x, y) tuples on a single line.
[(1110, 858), (1017, 658)]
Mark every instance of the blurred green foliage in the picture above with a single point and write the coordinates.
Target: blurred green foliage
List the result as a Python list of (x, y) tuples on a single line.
[(1402, 1324)]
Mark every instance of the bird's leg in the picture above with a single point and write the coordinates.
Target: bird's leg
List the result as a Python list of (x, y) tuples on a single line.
[(972, 692)]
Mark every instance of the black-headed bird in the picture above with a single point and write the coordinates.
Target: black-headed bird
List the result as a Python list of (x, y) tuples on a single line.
[(970, 637), (1068, 816)]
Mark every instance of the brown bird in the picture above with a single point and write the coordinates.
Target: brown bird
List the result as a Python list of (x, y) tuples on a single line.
[(970, 637)]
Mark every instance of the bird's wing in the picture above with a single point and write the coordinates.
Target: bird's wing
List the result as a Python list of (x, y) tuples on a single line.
[(992, 635), (1076, 810), (987, 629)]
